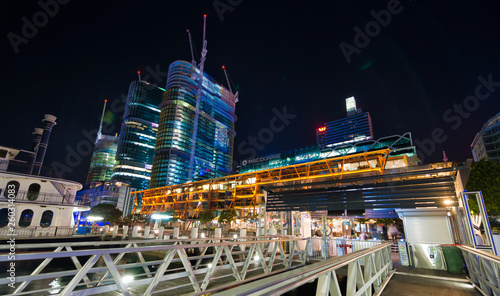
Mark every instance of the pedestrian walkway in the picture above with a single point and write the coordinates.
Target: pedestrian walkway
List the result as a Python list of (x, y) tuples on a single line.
[(409, 281)]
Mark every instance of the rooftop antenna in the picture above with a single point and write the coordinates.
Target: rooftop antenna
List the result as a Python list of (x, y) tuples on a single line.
[(445, 159), (198, 97), (139, 74), (99, 132), (229, 84)]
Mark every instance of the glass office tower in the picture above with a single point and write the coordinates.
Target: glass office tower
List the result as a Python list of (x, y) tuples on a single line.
[(356, 127), (486, 144), (136, 145), (175, 161), (103, 159)]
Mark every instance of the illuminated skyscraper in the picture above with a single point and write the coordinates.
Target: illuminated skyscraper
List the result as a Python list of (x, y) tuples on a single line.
[(196, 132), (136, 144), (103, 159), (356, 127), (103, 156), (486, 144)]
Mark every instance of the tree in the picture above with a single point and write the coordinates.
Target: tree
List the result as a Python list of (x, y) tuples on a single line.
[(485, 176), (227, 216), (206, 216), (108, 212)]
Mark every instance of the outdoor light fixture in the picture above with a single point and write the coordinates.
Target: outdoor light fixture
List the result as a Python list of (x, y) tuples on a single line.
[(209, 265), (111, 229), (160, 216), (138, 227), (235, 236), (202, 235), (94, 218), (127, 278), (448, 202), (156, 231), (256, 257)]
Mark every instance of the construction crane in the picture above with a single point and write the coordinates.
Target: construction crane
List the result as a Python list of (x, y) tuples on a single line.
[(193, 61), (198, 98), (229, 84)]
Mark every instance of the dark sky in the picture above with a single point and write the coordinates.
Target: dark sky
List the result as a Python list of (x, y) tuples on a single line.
[(409, 75)]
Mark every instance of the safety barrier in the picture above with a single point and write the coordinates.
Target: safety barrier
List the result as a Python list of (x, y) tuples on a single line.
[(484, 269), (368, 271), (103, 269)]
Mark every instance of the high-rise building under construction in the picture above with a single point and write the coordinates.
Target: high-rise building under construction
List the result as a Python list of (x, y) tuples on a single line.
[(196, 128)]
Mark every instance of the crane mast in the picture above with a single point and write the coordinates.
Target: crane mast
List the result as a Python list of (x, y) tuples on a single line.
[(198, 99)]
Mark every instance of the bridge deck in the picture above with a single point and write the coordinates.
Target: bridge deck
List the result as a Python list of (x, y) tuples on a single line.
[(411, 281)]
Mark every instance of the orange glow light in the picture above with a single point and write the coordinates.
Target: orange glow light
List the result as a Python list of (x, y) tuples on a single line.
[(322, 129), (105, 101), (138, 72), (204, 15), (223, 67)]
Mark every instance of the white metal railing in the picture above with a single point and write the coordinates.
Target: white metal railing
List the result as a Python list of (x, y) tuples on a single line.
[(367, 272), (36, 231), (43, 198), (103, 269), (484, 269)]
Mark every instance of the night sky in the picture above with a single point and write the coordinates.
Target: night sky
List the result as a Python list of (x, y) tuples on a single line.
[(411, 73)]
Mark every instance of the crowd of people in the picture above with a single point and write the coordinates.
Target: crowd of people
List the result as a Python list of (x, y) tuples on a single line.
[(380, 231)]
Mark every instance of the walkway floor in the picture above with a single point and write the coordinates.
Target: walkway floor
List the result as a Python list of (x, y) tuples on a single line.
[(409, 281)]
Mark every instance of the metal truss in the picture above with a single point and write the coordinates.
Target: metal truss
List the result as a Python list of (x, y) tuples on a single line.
[(243, 192), (367, 272), (99, 268)]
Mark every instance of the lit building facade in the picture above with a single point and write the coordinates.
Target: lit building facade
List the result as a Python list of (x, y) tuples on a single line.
[(206, 122), (486, 144), (113, 193), (103, 159), (357, 126), (398, 144), (136, 144)]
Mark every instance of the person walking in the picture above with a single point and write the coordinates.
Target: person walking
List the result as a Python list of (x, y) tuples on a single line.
[(373, 231), (393, 232), (380, 231)]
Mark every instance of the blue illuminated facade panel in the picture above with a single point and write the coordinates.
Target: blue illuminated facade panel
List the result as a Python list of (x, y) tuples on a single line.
[(215, 131), (134, 157)]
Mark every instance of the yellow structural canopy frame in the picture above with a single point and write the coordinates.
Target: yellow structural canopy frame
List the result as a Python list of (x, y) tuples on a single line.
[(243, 191)]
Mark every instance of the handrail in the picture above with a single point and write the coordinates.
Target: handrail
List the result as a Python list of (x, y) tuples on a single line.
[(480, 253), (483, 269), (266, 254), (290, 280), (42, 198), (246, 239)]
